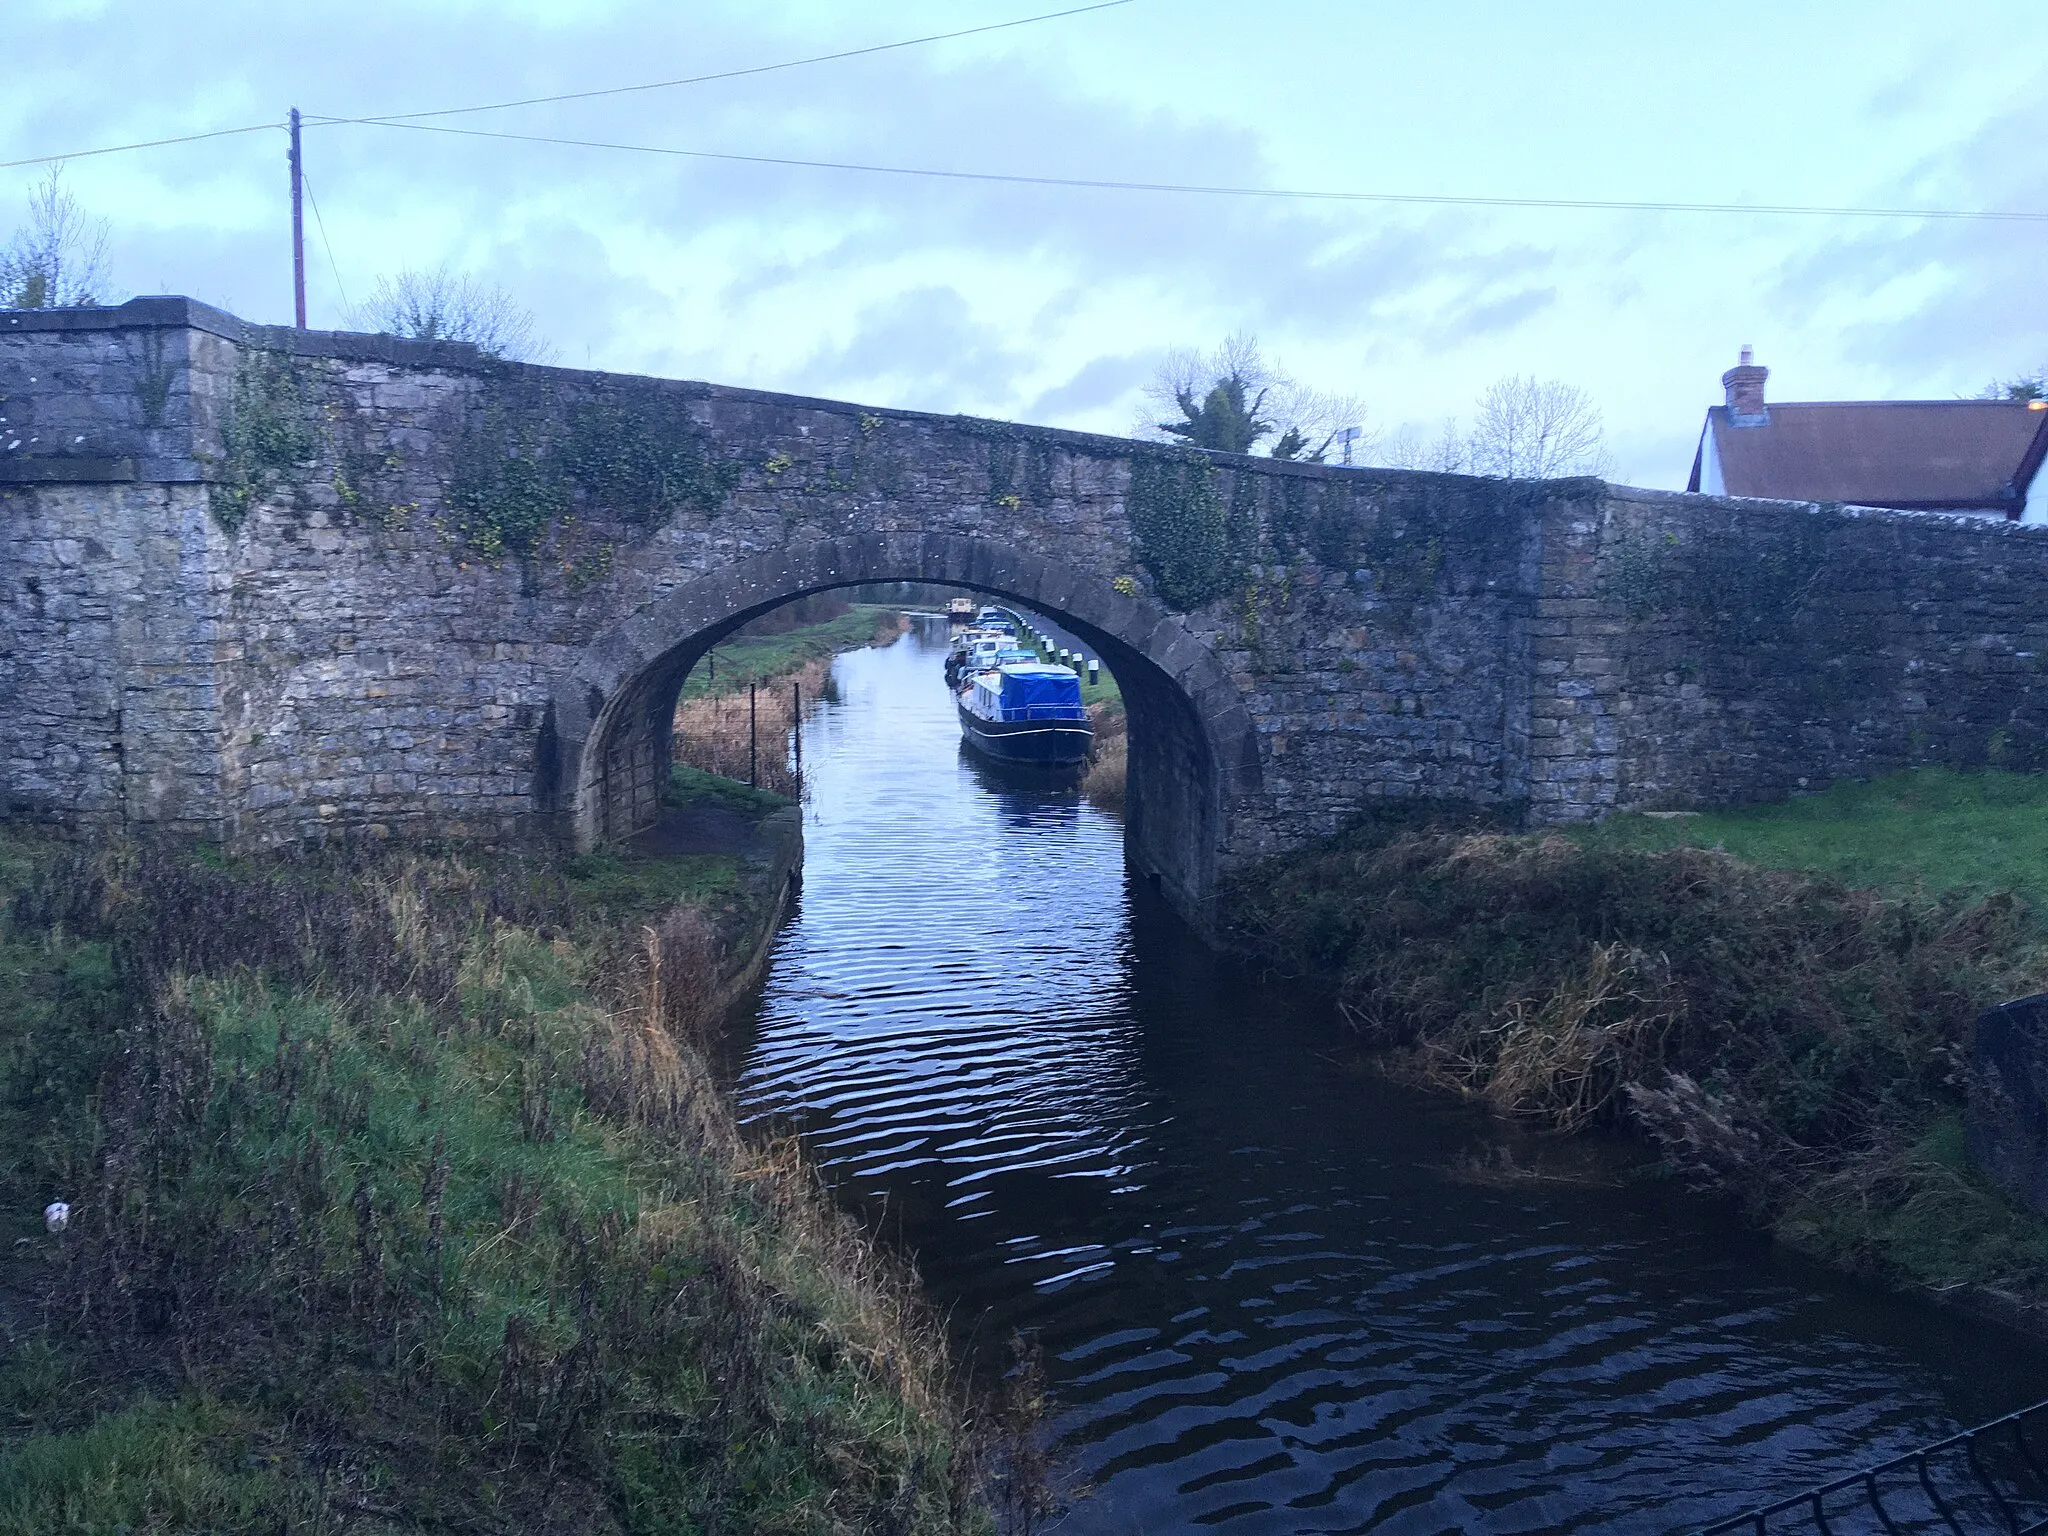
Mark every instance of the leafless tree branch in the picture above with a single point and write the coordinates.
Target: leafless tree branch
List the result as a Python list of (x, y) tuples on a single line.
[(58, 259), (440, 305)]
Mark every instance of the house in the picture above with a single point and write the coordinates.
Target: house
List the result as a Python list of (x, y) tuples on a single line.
[(1981, 456)]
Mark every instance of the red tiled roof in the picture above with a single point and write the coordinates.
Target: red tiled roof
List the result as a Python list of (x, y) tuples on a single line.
[(1884, 453)]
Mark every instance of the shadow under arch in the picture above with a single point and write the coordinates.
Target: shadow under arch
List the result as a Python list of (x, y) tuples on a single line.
[(1193, 751)]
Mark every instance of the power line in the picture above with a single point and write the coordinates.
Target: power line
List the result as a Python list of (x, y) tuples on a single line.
[(115, 149), (321, 225), (411, 120), (734, 74), (617, 90), (1445, 200)]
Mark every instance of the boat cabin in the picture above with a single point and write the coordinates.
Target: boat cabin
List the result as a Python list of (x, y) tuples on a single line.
[(1028, 691)]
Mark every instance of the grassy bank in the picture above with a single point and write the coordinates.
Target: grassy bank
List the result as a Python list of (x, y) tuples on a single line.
[(720, 731), (767, 658), (402, 1198), (1927, 833), (1787, 1026)]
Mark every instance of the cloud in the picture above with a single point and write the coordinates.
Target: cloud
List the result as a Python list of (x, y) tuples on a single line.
[(1947, 304), (926, 344), (1048, 302), (1098, 383)]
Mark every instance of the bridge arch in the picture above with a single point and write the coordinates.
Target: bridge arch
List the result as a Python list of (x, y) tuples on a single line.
[(1193, 751)]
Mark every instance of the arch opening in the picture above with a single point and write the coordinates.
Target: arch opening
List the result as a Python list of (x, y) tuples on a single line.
[(1192, 753)]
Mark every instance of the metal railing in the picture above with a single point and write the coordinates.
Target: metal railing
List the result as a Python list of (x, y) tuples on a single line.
[(1072, 713), (1987, 1479)]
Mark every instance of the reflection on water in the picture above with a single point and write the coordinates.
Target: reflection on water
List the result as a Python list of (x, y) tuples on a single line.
[(1267, 1301)]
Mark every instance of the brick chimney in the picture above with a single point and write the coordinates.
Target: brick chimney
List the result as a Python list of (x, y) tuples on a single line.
[(1745, 385)]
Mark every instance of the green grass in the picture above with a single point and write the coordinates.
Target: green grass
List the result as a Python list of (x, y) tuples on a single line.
[(1929, 832), (455, 1234), (765, 658), (155, 1466), (1103, 692), (1946, 1225), (693, 786), (621, 887)]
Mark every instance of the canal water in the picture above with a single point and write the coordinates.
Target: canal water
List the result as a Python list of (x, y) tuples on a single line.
[(1273, 1293)]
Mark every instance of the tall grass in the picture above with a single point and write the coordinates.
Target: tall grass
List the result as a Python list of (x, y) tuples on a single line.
[(766, 655), (1108, 757), (1776, 1034), (752, 742), (720, 730), (403, 1197)]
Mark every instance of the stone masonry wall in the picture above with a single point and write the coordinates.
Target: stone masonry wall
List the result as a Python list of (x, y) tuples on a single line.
[(263, 584), (1698, 651)]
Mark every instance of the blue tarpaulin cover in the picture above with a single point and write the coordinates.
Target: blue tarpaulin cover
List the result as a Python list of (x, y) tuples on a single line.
[(1036, 692)]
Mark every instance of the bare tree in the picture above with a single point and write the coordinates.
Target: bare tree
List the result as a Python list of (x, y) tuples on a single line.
[(1530, 429), (1411, 448), (1314, 418), (1231, 400), (58, 259), (440, 305)]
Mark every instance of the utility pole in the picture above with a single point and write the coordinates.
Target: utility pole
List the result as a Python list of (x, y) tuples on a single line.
[(298, 231)]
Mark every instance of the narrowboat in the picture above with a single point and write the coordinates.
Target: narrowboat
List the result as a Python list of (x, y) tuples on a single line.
[(1026, 712)]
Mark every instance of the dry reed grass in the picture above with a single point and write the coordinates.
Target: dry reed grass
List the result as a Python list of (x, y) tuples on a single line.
[(712, 733), (1108, 758), (1777, 1035), (1565, 1056)]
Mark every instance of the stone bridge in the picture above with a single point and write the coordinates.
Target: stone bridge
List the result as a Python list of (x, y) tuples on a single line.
[(265, 585)]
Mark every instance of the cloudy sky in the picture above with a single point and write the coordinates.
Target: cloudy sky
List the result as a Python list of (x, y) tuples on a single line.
[(1055, 304)]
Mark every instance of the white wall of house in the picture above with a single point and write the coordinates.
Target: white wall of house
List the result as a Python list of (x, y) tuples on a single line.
[(1710, 464)]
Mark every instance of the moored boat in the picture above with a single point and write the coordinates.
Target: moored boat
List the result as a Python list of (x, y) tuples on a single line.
[(976, 650), (1026, 712)]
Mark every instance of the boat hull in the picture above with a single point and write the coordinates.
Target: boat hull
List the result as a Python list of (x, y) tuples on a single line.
[(1044, 742)]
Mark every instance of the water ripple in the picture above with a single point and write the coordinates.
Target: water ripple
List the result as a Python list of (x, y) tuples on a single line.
[(1264, 1306)]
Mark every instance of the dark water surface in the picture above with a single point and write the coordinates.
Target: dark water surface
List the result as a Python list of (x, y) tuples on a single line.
[(1268, 1298)]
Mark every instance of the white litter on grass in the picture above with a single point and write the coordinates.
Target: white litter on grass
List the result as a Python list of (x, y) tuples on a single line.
[(56, 1215)]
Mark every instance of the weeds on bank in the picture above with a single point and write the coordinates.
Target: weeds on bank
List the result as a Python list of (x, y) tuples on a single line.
[(693, 786), (723, 733), (401, 1197), (624, 888), (729, 736), (1108, 758), (1777, 1034)]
